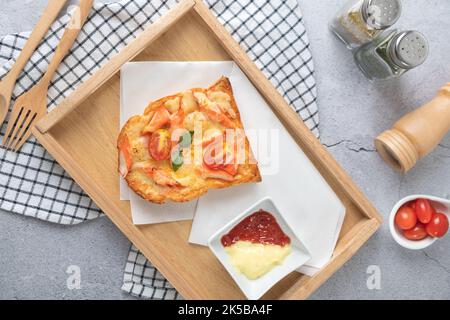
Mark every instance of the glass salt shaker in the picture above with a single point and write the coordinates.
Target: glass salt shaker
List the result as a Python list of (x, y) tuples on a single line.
[(392, 54), (360, 21)]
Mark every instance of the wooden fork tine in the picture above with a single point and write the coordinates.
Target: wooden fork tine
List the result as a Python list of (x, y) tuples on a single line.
[(10, 126), (17, 127), (14, 122), (24, 132), (22, 140)]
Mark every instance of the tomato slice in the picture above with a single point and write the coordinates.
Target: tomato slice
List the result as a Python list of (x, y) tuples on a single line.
[(160, 118), (424, 210), (438, 226), (159, 145), (405, 218), (419, 232), (219, 155)]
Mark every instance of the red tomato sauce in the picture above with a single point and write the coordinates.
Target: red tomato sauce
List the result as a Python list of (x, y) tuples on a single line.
[(259, 227)]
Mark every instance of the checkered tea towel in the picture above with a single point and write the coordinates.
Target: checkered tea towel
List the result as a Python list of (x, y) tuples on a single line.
[(33, 184)]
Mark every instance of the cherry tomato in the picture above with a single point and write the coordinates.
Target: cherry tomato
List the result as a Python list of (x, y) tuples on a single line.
[(419, 232), (160, 145), (424, 210), (405, 218), (438, 226)]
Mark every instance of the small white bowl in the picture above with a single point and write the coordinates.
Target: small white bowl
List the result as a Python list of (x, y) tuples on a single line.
[(441, 205), (254, 289)]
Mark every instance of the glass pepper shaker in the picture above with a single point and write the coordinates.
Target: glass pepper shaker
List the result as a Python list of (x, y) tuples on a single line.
[(392, 54), (360, 21)]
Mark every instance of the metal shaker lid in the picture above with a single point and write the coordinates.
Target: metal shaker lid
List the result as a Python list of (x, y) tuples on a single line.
[(409, 49), (381, 14)]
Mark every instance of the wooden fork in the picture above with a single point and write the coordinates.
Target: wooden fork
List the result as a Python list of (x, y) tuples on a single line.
[(32, 105)]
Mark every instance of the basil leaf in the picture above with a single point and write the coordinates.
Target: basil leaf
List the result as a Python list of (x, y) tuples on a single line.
[(177, 155), (177, 159), (185, 139)]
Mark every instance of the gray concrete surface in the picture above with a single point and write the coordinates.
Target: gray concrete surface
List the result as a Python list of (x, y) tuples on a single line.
[(35, 255)]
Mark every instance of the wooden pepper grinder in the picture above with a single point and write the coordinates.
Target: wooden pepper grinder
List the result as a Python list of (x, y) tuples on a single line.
[(417, 133)]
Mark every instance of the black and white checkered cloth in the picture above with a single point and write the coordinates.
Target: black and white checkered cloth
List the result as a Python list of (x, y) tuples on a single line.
[(33, 184)]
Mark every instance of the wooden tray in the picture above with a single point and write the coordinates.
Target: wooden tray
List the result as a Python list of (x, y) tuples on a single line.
[(81, 134)]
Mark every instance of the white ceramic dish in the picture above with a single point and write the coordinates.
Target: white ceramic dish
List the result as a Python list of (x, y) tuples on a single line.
[(254, 289), (441, 205)]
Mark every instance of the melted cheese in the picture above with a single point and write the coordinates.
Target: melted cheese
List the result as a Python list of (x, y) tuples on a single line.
[(212, 133), (254, 259), (173, 105), (139, 149), (187, 180), (188, 102), (193, 119)]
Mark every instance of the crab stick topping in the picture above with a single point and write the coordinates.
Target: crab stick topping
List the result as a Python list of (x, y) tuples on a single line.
[(125, 160), (161, 177), (213, 110)]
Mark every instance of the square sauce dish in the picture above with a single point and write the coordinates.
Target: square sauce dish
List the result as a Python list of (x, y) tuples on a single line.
[(258, 248)]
